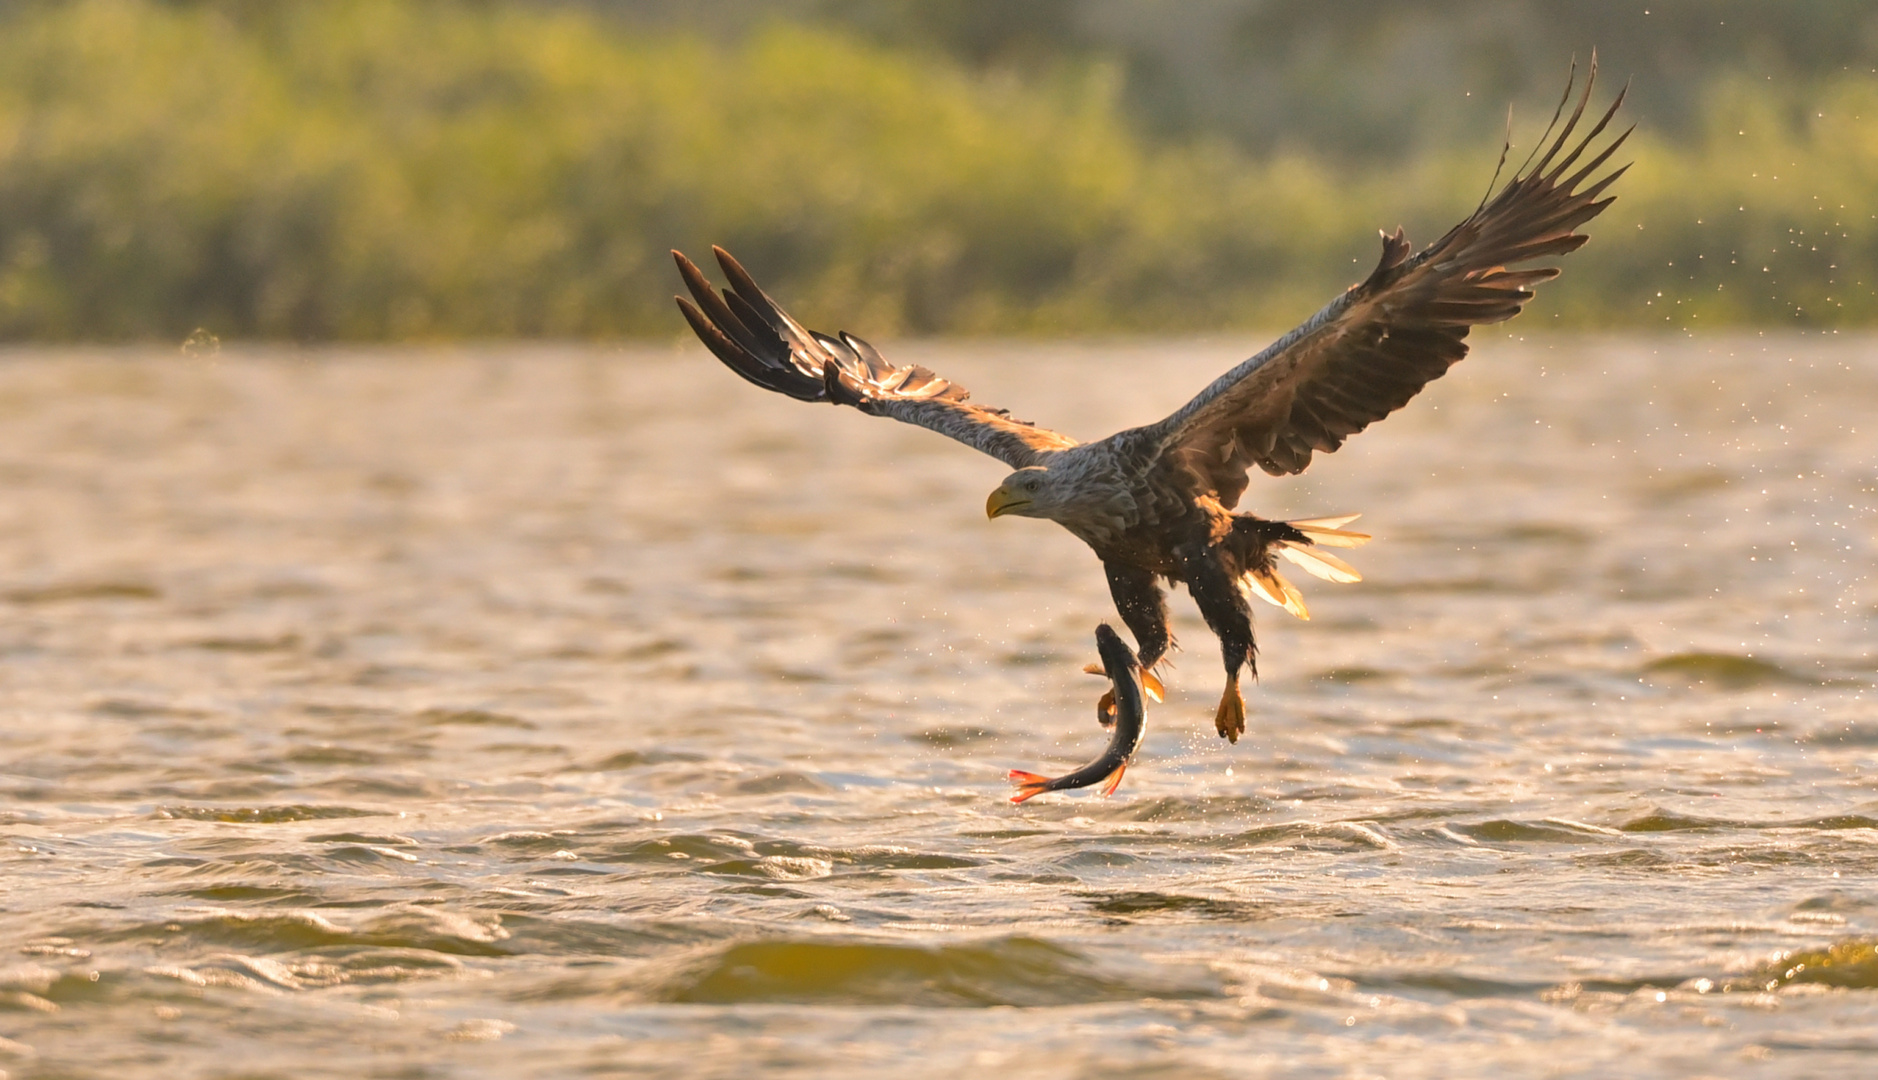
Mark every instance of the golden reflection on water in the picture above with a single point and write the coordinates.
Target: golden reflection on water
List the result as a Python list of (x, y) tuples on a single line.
[(533, 711)]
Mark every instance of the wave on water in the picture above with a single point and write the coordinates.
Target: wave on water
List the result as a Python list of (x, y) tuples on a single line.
[(1721, 671), (1019, 971), (260, 815), (1849, 965), (402, 927)]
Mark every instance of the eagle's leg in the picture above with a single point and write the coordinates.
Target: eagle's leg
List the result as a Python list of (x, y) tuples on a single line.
[(1214, 586), (1143, 608)]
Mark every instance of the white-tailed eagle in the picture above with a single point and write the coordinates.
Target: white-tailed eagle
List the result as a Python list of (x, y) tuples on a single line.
[(1156, 502)]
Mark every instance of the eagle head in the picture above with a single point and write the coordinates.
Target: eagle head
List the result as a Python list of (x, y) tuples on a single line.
[(1027, 492)]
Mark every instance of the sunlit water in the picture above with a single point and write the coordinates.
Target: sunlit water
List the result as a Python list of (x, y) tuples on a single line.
[(548, 713)]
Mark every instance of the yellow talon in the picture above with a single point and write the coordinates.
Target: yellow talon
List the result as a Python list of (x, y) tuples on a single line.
[(1230, 719)]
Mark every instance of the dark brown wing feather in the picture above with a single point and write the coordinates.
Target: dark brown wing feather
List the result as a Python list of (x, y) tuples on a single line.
[(1373, 348), (759, 341)]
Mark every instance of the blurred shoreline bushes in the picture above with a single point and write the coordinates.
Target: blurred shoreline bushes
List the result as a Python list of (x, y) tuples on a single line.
[(398, 169)]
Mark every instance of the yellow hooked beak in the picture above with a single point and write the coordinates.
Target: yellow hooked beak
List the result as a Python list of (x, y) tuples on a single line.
[(1003, 501)]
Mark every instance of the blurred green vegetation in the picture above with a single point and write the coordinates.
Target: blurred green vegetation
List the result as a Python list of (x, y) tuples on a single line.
[(399, 169), (1356, 80)]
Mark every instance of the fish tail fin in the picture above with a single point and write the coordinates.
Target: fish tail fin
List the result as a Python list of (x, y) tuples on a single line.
[(1114, 780), (1028, 784)]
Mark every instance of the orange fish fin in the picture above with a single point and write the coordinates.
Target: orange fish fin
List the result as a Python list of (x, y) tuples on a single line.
[(1151, 683), (1115, 779)]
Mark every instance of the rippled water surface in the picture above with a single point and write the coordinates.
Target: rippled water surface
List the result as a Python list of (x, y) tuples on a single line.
[(557, 713)]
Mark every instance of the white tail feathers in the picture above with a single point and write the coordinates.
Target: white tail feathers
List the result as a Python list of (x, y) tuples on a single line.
[(1266, 583), (1337, 522), (1330, 531), (1273, 589), (1318, 563)]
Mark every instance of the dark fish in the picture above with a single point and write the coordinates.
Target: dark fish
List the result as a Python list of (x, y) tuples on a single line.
[(1124, 670)]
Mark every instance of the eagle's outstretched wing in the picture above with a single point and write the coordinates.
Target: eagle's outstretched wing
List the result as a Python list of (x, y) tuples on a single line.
[(1373, 348), (759, 341)]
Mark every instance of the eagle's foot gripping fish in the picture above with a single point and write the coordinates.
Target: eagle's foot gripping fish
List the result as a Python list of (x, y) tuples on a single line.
[(1124, 670), (1105, 707)]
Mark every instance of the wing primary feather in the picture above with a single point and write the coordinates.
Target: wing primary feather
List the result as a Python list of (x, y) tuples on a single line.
[(1519, 278), (794, 384), (1579, 176), (1571, 79), (1598, 189), (742, 283), (1584, 98), (1506, 146), (714, 305), (1596, 130), (791, 331), (774, 352), (722, 347)]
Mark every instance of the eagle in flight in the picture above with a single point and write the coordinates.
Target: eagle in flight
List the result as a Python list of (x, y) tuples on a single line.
[(1156, 502)]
